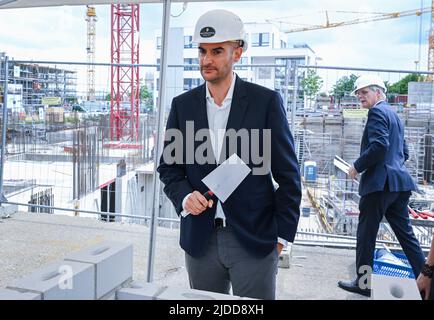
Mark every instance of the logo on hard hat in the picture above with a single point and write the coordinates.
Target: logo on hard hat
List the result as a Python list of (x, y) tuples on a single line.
[(207, 32)]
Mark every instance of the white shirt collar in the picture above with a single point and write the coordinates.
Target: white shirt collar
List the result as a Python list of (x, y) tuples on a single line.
[(230, 93)]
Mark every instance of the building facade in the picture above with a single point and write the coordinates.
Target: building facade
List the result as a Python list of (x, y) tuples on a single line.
[(34, 86), (267, 62)]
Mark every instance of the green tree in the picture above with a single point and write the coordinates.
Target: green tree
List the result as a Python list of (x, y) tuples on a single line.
[(144, 93), (311, 84), (343, 85), (401, 87), (146, 96)]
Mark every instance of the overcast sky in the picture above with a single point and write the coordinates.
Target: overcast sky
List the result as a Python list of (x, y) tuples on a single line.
[(59, 33)]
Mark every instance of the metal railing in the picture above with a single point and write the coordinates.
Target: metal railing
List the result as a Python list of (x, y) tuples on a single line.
[(94, 176)]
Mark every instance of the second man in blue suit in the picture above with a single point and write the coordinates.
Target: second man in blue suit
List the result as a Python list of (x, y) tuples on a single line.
[(385, 184)]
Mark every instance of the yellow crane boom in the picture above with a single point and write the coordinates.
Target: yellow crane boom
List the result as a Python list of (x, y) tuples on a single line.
[(376, 17)]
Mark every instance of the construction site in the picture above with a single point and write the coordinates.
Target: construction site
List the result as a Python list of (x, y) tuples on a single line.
[(80, 143)]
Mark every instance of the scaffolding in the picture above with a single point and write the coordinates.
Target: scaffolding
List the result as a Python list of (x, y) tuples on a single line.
[(125, 89), (43, 81)]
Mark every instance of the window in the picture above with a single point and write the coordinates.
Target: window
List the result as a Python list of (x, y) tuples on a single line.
[(158, 64), (265, 39), (188, 42), (280, 71), (188, 61), (187, 84), (158, 42), (255, 39), (190, 83), (260, 39), (282, 44), (243, 60), (264, 73)]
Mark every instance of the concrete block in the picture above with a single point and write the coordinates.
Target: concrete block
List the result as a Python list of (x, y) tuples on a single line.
[(140, 291), (285, 257), (6, 210), (394, 288), (152, 291), (284, 260), (62, 280), (113, 262), (9, 294), (247, 298), (174, 293)]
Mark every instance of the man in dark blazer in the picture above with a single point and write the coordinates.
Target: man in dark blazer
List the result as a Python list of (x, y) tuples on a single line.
[(235, 243), (385, 184)]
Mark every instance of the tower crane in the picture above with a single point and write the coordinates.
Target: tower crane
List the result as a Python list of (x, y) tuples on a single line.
[(125, 80), (91, 33), (373, 17), (431, 41)]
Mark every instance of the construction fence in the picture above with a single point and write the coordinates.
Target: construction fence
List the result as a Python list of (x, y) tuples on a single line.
[(58, 143)]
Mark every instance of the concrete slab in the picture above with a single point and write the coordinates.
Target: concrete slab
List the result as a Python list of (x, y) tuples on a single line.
[(9, 294), (153, 291), (179, 293), (140, 291)]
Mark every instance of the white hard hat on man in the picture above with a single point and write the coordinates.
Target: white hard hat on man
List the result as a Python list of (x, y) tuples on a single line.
[(219, 25), (368, 80)]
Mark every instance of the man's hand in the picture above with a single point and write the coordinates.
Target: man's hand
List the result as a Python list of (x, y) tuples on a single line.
[(279, 248), (424, 285), (196, 203), (352, 172)]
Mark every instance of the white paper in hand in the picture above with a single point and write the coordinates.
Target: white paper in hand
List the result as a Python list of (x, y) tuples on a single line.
[(227, 177)]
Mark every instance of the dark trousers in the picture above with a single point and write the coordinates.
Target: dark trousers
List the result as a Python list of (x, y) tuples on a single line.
[(227, 263), (393, 205)]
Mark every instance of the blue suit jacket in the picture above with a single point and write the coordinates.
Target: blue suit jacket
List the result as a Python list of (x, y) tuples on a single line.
[(383, 153), (257, 212)]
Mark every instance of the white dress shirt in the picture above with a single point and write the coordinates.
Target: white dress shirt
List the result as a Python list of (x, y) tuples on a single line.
[(217, 121)]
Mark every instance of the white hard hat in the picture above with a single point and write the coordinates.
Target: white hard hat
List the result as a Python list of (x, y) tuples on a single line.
[(219, 26), (368, 80)]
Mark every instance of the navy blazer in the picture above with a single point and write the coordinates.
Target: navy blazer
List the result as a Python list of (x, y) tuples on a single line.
[(257, 212), (383, 152)]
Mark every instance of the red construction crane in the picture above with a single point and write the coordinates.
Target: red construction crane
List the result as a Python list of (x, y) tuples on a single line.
[(125, 85)]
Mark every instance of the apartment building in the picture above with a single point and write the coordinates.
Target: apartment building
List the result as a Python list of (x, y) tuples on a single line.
[(267, 47)]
